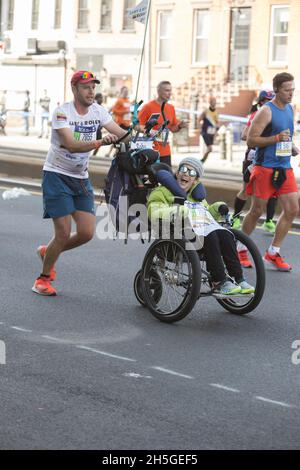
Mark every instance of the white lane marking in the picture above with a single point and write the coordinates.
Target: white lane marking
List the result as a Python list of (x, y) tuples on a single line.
[(18, 328), (51, 337), (137, 376), (172, 372), (104, 353), (229, 389), (274, 402)]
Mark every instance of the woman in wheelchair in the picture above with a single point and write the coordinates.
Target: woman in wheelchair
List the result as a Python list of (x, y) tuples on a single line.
[(218, 244)]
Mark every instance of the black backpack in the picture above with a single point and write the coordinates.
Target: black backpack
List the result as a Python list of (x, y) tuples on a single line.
[(124, 187)]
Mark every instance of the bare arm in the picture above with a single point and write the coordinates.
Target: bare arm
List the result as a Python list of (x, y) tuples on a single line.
[(261, 119), (73, 146), (244, 134), (113, 128), (180, 125), (295, 150)]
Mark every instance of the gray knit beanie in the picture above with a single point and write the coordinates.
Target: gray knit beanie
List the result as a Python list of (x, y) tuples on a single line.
[(195, 163)]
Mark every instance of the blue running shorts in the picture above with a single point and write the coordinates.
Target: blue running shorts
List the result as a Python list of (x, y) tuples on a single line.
[(63, 195)]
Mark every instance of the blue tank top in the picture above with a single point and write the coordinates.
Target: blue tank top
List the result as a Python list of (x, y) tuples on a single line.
[(277, 155)]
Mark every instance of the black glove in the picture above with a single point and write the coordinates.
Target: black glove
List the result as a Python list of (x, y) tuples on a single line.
[(223, 209), (179, 200)]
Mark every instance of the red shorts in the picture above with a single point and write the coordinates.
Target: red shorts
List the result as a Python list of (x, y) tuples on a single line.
[(260, 183)]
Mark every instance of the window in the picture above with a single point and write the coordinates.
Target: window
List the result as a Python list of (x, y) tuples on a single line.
[(105, 15), (201, 33), (279, 33), (35, 14), (83, 14), (128, 23), (57, 14), (94, 63), (10, 15), (164, 41)]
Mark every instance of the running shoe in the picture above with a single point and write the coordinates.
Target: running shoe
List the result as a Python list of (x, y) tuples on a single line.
[(41, 254), (226, 287), (246, 288), (43, 286), (269, 226), (236, 223), (277, 261), (244, 260)]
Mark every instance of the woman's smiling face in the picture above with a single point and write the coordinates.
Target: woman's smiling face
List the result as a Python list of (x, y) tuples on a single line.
[(184, 178)]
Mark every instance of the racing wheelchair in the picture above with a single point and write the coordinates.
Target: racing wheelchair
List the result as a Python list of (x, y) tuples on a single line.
[(174, 275)]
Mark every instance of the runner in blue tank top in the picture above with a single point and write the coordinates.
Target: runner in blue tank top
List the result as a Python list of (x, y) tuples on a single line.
[(271, 132)]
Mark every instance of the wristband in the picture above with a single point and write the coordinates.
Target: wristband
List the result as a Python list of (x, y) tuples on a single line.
[(277, 137), (97, 144)]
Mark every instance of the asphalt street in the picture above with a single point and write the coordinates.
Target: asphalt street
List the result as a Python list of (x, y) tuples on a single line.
[(92, 369)]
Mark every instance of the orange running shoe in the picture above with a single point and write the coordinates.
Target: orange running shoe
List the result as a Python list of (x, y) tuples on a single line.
[(41, 253), (277, 261), (244, 260), (43, 286)]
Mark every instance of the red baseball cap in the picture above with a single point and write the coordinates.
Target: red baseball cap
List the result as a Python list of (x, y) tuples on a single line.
[(83, 76)]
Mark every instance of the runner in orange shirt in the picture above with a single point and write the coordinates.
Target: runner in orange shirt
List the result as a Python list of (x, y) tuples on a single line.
[(164, 91), (121, 109)]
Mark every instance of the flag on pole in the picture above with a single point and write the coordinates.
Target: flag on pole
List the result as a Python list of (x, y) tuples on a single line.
[(139, 12)]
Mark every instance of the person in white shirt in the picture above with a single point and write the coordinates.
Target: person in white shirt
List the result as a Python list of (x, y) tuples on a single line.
[(67, 190)]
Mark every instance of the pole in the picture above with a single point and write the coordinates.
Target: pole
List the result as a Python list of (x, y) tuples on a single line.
[(143, 50)]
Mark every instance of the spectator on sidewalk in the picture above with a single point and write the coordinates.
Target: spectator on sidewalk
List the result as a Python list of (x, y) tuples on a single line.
[(67, 191), (26, 112), (3, 103), (164, 92), (45, 114), (209, 124), (121, 109), (98, 100), (3, 113)]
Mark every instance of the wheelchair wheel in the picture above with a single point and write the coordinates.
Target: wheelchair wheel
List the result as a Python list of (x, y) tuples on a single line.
[(155, 286), (177, 280), (242, 304)]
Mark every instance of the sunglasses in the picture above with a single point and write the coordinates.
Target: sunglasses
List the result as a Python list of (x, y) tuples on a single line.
[(86, 75), (190, 171)]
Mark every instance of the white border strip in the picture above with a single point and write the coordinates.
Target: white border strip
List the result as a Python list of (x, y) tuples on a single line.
[(18, 328), (104, 353), (274, 402), (223, 387), (172, 372)]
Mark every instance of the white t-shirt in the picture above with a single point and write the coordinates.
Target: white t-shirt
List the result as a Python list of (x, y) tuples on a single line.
[(84, 128)]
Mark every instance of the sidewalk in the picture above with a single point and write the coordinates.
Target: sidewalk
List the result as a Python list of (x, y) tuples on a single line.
[(15, 139)]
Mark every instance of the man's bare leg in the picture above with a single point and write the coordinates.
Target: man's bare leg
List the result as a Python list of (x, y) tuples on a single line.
[(258, 207), (63, 240), (290, 209)]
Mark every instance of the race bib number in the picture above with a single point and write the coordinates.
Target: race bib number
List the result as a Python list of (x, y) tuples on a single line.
[(284, 149), (211, 130), (141, 143), (85, 133), (201, 220)]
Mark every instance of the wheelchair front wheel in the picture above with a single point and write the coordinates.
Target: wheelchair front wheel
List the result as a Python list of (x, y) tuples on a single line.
[(175, 274), (242, 304), (155, 287)]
